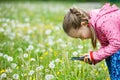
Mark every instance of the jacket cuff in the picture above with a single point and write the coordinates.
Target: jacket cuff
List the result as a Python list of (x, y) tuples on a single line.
[(91, 57)]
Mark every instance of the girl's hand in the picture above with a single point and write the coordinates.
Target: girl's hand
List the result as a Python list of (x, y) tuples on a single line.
[(87, 59)]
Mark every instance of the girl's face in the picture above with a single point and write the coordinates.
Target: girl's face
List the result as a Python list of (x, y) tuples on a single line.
[(83, 32)]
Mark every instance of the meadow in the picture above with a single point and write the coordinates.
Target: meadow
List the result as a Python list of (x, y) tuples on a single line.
[(33, 45)]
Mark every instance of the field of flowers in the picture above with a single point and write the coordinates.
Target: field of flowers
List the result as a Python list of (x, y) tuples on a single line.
[(33, 45)]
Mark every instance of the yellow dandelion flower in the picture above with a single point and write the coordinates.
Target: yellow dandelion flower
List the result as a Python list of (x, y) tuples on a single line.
[(58, 73), (17, 67), (41, 57), (46, 53), (96, 73), (55, 53), (31, 78), (51, 50), (108, 79), (2, 71), (61, 61), (102, 65)]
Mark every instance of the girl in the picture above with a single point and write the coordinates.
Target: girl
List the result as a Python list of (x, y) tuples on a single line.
[(102, 24)]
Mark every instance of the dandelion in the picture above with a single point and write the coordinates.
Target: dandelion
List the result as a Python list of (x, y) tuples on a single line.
[(30, 47), (58, 73), (5, 56), (39, 68), (32, 59), (9, 58), (3, 75), (1, 54), (41, 57), (49, 77), (1, 30), (57, 60), (25, 55), (51, 65), (80, 47), (75, 53), (20, 49), (37, 50), (47, 70), (13, 65), (48, 31), (46, 53), (8, 70), (31, 72), (15, 76)]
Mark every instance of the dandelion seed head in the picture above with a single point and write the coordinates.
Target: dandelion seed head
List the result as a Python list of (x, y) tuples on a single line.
[(51, 65), (13, 65), (25, 55), (30, 47), (49, 77), (48, 31), (9, 59), (1, 54), (31, 72), (39, 68), (15, 76), (3, 75), (75, 53)]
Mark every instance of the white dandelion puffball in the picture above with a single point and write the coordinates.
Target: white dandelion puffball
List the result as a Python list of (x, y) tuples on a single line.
[(15, 76), (49, 77), (48, 31), (30, 47), (31, 72), (25, 55), (51, 65), (13, 65), (39, 67), (75, 53), (3, 75)]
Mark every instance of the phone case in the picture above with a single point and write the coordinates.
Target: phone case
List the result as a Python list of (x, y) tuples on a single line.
[(81, 58)]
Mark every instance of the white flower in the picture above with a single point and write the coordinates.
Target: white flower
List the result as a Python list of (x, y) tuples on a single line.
[(39, 68), (30, 47), (31, 72), (3, 75), (20, 49), (80, 47), (27, 19), (49, 77), (75, 53), (32, 59), (2, 30), (8, 70), (5, 56), (15, 76), (37, 50), (51, 65), (9, 58), (1, 54), (30, 31), (13, 65), (57, 60), (25, 55), (48, 31)]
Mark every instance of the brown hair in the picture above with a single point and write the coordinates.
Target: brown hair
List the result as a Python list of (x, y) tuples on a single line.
[(73, 19)]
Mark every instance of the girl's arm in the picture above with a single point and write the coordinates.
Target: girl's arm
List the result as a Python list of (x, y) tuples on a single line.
[(112, 31)]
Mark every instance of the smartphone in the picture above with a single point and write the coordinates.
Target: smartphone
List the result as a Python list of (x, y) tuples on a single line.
[(81, 58)]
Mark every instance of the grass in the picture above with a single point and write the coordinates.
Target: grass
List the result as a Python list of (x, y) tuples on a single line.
[(33, 45)]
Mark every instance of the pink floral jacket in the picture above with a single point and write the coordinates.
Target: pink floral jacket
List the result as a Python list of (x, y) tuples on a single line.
[(106, 22)]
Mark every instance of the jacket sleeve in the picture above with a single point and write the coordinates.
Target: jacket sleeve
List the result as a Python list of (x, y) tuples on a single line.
[(111, 30)]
